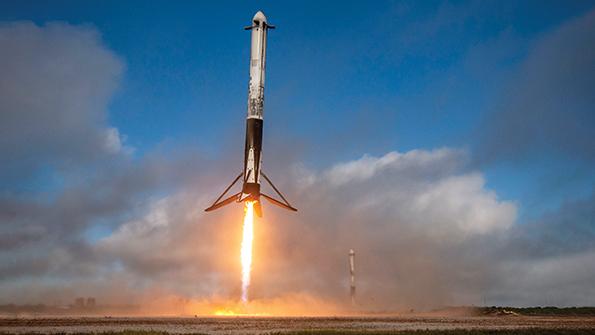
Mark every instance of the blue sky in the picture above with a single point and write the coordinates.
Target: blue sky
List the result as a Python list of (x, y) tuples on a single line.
[(162, 89), (401, 74)]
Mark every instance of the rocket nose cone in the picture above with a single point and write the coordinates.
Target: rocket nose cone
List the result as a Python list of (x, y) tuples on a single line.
[(259, 17)]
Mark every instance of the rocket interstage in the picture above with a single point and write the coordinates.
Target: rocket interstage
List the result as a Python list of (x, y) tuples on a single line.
[(254, 128), (352, 275)]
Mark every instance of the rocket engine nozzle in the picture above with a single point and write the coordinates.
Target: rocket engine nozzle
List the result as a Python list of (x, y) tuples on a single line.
[(253, 189)]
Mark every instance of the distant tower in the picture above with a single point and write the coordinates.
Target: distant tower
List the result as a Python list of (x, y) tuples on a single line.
[(352, 275), (90, 302)]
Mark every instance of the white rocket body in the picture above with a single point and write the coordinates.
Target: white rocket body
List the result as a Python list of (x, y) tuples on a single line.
[(258, 50)]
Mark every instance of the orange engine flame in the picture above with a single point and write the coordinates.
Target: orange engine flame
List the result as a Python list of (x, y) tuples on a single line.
[(246, 251)]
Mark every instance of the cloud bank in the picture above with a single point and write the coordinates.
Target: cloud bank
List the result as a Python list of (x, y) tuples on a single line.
[(57, 82)]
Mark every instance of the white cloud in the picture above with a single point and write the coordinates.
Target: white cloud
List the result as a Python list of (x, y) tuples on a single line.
[(462, 204), (114, 142), (423, 188), (368, 166)]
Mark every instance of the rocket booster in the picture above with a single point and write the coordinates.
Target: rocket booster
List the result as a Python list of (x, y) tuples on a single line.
[(254, 126), (254, 121)]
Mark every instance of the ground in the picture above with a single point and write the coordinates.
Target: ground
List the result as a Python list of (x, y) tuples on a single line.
[(306, 325)]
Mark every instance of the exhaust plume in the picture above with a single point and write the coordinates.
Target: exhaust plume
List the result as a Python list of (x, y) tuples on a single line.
[(246, 251)]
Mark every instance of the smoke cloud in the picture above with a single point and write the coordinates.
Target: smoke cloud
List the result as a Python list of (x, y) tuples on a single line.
[(426, 229), (412, 218)]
